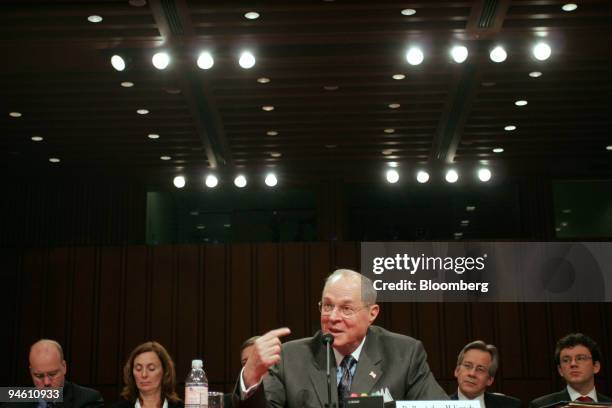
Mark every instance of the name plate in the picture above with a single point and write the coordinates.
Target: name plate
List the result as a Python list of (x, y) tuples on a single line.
[(438, 404)]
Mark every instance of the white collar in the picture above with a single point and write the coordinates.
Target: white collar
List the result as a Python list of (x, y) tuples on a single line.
[(574, 395), (355, 353), (480, 398), (137, 403)]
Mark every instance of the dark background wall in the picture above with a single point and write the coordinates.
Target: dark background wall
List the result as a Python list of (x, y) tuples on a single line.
[(203, 301)]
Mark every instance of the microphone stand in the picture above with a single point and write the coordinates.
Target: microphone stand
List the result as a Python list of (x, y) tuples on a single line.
[(329, 403)]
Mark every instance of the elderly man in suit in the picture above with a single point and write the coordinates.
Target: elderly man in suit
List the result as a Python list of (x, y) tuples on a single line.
[(578, 360), (48, 370), (368, 358), (476, 367)]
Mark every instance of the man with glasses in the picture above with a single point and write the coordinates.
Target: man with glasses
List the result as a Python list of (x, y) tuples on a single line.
[(578, 360), (368, 358), (48, 370), (476, 367)]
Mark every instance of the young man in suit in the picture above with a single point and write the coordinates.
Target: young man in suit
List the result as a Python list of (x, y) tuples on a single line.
[(476, 367), (368, 358), (578, 360)]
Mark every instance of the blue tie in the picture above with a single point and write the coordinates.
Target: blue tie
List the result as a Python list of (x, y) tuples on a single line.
[(344, 387)]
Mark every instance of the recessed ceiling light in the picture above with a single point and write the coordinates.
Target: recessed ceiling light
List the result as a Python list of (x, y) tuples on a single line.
[(520, 102), (569, 7), (567, 211), (535, 74), (408, 12), (393, 164), (484, 175), (227, 225), (263, 80), (558, 229), (172, 90), (276, 154), (389, 130), (498, 54), (498, 150), (179, 181), (211, 181), (165, 158), (465, 223), (398, 77), (458, 235), (394, 105), (15, 114), (331, 146), (142, 111), (609, 147), (161, 60), (488, 83), (137, 3), (392, 176), (331, 87), (542, 51), (94, 18), (247, 60), (414, 56), (153, 136), (387, 152), (194, 213), (470, 208), (459, 54), (251, 15), (205, 60), (451, 176), (541, 34), (422, 176), (127, 84), (54, 160), (272, 133), (37, 138), (271, 180), (509, 128), (200, 227), (564, 224), (118, 62), (240, 181)]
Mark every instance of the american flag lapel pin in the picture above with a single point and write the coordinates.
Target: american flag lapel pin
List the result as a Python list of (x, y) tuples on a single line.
[(372, 374)]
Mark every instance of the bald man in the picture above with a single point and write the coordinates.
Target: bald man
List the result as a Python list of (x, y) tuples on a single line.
[(48, 370)]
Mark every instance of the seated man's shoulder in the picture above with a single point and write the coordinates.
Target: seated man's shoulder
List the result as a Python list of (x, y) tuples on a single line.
[(548, 399), (604, 398), (503, 400), (83, 396)]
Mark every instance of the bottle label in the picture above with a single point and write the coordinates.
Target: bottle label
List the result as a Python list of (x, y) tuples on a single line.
[(196, 395)]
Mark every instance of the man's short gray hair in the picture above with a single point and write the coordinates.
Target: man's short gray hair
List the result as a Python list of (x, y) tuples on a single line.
[(368, 293), (482, 346)]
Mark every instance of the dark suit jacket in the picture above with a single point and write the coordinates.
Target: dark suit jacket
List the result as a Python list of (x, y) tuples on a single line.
[(492, 400), (387, 360), (123, 403), (560, 396), (75, 396)]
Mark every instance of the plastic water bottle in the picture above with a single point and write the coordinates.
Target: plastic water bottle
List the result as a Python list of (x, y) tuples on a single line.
[(196, 386)]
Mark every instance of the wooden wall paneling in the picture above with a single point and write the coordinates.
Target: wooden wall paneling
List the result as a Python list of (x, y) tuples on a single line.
[(483, 322), (589, 321), (538, 346), (400, 317), (217, 306), (163, 270), (296, 311), (562, 319), (510, 339), (347, 256), (431, 332), (189, 315), (58, 285), (82, 354), (266, 307), (135, 300), (319, 267), (109, 331), (10, 293), (457, 327)]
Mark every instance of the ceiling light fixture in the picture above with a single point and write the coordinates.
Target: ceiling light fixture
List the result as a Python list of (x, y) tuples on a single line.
[(408, 12), (393, 164), (414, 56), (179, 181), (94, 18), (205, 60), (542, 51), (535, 74), (118, 62), (394, 105), (609, 147), (451, 176), (263, 80), (272, 133), (484, 174), (251, 15), (161, 60), (127, 84), (211, 181), (142, 111), (398, 77), (153, 136), (240, 181), (498, 150), (247, 60), (331, 87), (520, 102), (37, 138), (276, 154), (459, 54), (392, 176), (165, 158), (498, 54), (267, 108), (271, 180), (389, 131), (54, 160), (15, 114), (509, 128), (569, 7), (422, 176)]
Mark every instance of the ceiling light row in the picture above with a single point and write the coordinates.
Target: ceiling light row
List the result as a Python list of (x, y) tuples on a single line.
[(240, 181), (162, 60), (459, 53), (452, 176)]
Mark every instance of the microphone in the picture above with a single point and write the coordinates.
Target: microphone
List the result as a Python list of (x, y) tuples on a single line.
[(328, 340)]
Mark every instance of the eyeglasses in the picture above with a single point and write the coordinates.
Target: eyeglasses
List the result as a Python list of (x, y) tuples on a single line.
[(345, 310), (51, 375), (481, 370), (580, 358)]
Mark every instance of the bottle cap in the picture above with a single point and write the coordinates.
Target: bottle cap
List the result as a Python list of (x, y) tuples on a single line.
[(197, 364)]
